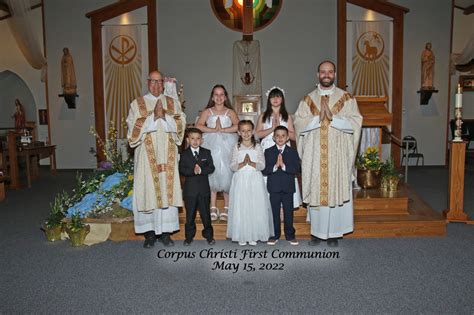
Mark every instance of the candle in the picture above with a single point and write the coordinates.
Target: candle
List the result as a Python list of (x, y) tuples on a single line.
[(458, 103)]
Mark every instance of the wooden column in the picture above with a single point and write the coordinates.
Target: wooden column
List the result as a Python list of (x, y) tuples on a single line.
[(457, 159)]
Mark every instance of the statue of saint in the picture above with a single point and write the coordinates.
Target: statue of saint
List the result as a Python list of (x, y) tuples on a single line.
[(19, 115), (427, 67), (68, 75)]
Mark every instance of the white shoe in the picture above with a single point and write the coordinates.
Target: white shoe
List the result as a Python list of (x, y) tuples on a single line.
[(214, 213), (253, 243), (242, 243)]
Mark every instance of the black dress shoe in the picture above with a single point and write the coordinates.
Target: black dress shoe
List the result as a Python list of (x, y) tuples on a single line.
[(332, 242), (150, 239), (187, 242), (314, 241), (166, 240), (211, 242)]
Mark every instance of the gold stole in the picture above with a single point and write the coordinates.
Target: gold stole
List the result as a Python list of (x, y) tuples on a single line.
[(324, 140), (156, 168)]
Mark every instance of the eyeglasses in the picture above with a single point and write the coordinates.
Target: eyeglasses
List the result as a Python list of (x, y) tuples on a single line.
[(153, 81)]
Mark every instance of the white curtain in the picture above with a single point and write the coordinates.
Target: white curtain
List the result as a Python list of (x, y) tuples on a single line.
[(22, 30), (247, 61), (467, 54)]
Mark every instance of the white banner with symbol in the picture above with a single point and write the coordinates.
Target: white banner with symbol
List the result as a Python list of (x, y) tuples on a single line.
[(122, 59), (371, 63)]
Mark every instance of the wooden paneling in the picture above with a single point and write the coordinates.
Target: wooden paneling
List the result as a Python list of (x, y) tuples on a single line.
[(457, 160), (341, 43), (397, 13), (373, 111), (419, 220), (97, 17)]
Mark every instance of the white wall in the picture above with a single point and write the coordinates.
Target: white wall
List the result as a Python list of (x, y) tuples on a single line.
[(196, 48), (67, 26), (427, 21), (12, 59)]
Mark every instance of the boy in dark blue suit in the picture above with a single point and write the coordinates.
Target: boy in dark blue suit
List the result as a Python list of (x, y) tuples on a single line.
[(196, 164), (281, 166)]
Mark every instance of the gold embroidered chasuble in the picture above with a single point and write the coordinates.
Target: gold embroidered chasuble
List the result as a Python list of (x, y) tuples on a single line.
[(327, 153), (156, 176)]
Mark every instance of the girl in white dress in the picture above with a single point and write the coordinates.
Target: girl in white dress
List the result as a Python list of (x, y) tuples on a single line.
[(250, 214), (276, 115), (219, 122)]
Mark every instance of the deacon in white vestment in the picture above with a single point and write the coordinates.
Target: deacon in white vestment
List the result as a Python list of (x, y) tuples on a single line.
[(156, 126), (328, 124)]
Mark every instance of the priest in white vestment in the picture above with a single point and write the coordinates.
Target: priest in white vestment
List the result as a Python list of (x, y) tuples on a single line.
[(156, 126), (328, 124)]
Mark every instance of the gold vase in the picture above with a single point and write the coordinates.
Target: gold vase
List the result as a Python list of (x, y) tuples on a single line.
[(53, 233), (78, 236), (368, 179), (390, 183)]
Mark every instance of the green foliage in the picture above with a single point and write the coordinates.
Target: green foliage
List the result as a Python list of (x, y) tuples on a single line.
[(389, 169), (58, 209), (76, 223)]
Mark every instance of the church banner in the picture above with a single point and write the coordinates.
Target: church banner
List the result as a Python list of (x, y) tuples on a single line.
[(371, 58), (122, 60)]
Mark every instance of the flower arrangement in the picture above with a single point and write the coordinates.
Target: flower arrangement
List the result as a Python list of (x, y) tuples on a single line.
[(369, 160), (108, 192)]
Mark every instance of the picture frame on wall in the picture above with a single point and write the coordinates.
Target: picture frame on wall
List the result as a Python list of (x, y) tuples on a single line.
[(43, 116), (248, 106), (467, 83)]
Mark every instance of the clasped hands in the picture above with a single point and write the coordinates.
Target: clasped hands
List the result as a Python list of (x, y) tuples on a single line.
[(219, 126), (159, 111), (197, 169), (247, 161), (279, 163)]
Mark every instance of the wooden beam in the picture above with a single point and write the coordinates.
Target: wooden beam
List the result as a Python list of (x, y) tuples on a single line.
[(46, 76), (5, 8), (397, 85), (383, 7), (98, 81), (115, 9), (341, 43), (247, 16), (152, 36), (469, 10), (448, 127)]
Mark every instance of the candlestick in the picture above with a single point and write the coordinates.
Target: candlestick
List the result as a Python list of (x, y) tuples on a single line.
[(458, 103), (458, 115)]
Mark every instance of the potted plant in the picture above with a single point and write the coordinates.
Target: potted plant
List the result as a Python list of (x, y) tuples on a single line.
[(369, 167), (54, 224), (390, 176), (77, 230)]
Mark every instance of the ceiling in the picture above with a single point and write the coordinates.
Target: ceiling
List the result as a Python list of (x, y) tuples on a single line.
[(464, 3)]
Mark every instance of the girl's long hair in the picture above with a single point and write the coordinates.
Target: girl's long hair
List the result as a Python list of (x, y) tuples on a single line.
[(246, 122), (227, 103), (269, 110)]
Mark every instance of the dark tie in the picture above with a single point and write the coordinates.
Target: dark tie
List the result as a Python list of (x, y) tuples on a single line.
[(196, 155), (281, 151)]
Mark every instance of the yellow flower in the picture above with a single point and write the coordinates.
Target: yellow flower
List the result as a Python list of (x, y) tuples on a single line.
[(130, 177), (130, 193)]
